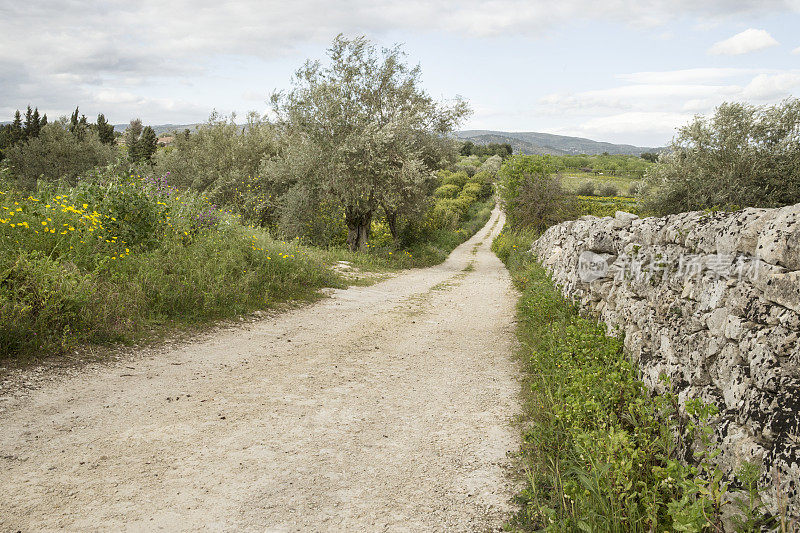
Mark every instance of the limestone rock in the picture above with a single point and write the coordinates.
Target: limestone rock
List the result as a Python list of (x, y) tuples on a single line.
[(713, 301)]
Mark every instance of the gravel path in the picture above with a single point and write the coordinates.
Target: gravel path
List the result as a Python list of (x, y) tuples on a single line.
[(381, 408)]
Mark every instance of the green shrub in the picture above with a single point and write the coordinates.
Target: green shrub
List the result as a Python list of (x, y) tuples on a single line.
[(608, 190), (485, 181), (57, 154), (463, 203), (532, 195), (464, 167), (586, 188), (306, 216), (448, 190), (43, 303), (607, 207), (101, 261), (459, 179), (491, 166), (471, 189), (224, 161), (132, 215), (741, 156), (445, 215)]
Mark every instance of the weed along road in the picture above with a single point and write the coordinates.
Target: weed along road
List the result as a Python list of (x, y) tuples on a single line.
[(381, 408)]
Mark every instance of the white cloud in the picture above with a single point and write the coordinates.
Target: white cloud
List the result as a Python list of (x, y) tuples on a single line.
[(661, 97), (661, 101), (692, 75), (664, 92), (255, 96), (153, 37), (650, 128), (766, 87), (796, 51), (636, 122), (749, 40)]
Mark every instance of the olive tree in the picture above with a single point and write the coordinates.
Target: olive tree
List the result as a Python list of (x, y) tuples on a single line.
[(741, 156), (362, 133), (57, 153), (221, 159)]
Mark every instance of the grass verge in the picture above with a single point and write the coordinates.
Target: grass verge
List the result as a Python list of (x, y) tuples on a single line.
[(598, 451)]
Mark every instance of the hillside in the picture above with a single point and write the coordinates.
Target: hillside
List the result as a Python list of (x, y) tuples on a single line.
[(546, 143), (160, 128), (523, 142)]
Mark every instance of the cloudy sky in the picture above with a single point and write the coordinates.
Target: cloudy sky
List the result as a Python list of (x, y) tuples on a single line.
[(618, 70)]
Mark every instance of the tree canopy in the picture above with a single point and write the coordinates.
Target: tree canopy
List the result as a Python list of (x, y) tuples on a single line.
[(743, 155), (361, 133)]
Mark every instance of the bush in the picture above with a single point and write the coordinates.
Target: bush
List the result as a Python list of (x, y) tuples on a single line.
[(741, 156), (485, 180), (445, 215), (223, 160), (541, 203), (585, 189), (449, 190), (532, 195), (304, 215), (471, 189), (607, 207), (459, 179), (608, 191), (57, 154), (492, 165), (43, 303)]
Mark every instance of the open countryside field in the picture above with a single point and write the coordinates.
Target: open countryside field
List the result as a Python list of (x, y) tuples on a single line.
[(624, 186), (351, 301)]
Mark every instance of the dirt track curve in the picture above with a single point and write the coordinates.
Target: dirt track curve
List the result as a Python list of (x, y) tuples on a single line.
[(382, 408)]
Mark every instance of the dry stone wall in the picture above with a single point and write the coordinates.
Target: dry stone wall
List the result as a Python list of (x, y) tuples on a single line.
[(711, 300)]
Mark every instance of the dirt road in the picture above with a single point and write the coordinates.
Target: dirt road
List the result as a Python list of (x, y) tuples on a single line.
[(382, 408)]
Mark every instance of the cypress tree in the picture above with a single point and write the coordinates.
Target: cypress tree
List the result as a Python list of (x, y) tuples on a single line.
[(78, 126), (16, 128), (5, 138), (132, 134), (27, 130), (73, 121), (105, 130), (147, 145), (36, 125)]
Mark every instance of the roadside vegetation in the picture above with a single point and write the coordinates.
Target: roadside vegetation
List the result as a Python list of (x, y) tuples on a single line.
[(107, 238), (600, 452), (107, 259), (119, 254)]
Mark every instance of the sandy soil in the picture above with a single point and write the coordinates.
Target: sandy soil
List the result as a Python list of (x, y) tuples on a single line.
[(381, 408)]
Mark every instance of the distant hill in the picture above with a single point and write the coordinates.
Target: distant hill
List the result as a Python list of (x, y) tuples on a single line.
[(159, 128), (523, 142), (531, 142)]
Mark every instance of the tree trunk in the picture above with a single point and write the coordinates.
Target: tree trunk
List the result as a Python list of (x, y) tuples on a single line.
[(391, 220), (358, 226)]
